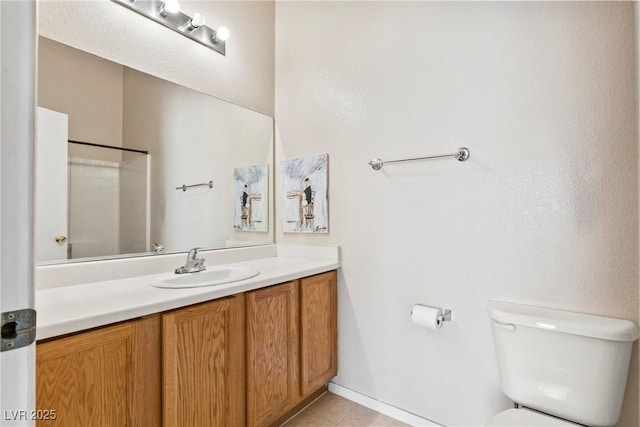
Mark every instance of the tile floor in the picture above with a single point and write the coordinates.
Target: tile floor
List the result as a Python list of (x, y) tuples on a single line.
[(331, 410)]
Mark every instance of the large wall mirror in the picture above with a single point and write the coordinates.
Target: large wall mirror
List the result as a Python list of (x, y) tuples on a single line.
[(121, 155)]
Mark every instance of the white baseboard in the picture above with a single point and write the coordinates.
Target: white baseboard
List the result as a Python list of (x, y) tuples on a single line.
[(378, 406)]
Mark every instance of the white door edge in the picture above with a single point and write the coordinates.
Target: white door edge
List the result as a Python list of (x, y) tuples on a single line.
[(18, 39)]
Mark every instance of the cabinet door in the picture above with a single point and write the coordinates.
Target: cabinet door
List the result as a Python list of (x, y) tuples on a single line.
[(204, 361), (104, 377), (272, 351), (318, 331)]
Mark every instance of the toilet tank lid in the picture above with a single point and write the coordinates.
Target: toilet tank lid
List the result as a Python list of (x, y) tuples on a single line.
[(588, 325)]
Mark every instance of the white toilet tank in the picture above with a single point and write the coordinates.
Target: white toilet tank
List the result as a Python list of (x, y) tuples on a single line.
[(566, 364)]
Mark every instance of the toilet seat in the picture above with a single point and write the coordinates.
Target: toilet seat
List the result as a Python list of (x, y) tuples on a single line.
[(526, 418)]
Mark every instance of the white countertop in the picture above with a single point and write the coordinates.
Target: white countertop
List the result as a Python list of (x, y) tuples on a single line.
[(67, 309)]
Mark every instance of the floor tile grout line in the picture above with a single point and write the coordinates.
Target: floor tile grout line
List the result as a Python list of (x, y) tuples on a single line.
[(313, 411), (305, 408)]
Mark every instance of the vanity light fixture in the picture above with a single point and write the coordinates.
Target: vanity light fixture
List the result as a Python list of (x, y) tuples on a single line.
[(198, 20), (221, 35), (169, 7), (167, 13)]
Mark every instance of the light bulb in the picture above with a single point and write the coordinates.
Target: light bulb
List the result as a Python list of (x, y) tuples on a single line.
[(222, 34), (169, 7), (197, 20)]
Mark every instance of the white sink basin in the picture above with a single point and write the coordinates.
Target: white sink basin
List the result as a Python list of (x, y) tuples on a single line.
[(210, 277)]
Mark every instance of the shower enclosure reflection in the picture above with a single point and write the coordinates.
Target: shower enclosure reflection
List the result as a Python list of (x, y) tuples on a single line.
[(108, 203), (106, 208)]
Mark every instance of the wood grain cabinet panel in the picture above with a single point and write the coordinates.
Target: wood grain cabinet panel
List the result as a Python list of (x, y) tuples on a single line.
[(104, 377), (318, 331), (204, 363), (191, 367), (272, 353)]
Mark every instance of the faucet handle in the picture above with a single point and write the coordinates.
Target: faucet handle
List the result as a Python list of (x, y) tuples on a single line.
[(199, 264)]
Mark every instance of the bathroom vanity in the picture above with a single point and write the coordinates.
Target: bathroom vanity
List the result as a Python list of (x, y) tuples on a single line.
[(246, 353)]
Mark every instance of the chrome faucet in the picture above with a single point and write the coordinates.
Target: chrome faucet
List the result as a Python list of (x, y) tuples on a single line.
[(157, 248), (193, 264)]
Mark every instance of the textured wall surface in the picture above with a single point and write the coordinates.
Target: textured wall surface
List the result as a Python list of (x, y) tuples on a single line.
[(544, 212), (245, 76)]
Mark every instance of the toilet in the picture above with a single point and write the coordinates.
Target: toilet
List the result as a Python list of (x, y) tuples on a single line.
[(560, 368)]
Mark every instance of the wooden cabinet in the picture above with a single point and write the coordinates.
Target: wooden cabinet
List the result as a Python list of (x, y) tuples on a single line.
[(191, 367), (104, 377), (272, 352), (318, 331), (204, 364), (291, 345)]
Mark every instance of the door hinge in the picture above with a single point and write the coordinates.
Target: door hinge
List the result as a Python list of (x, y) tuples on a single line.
[(18, 329)]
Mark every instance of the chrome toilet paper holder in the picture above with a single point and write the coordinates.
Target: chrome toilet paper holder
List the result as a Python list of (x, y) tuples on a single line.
[(445, 316)]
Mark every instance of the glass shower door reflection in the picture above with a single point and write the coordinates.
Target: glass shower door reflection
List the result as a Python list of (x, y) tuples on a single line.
[(108, 204)]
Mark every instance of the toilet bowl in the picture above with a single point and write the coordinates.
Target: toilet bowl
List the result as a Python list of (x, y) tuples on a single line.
[(565, 368)]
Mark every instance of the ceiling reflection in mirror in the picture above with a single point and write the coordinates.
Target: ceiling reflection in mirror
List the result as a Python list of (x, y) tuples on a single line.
[(127, 163)]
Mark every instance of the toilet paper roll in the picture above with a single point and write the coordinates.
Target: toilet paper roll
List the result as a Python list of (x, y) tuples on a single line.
[(427, 317)]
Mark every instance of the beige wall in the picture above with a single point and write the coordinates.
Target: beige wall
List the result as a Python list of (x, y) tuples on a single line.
[(89, 90), (545, 212), (635, 373), (245, 76)]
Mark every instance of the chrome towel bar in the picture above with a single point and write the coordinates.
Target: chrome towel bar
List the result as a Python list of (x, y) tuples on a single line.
[(461, 155), (204, 184)]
